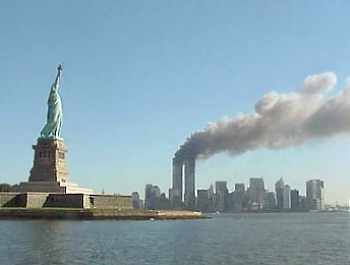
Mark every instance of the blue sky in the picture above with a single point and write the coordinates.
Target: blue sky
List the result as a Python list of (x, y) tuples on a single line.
[(140, 76)]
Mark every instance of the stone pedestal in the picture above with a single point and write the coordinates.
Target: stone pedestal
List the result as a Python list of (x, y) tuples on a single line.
[(49, 161), (49, 173)]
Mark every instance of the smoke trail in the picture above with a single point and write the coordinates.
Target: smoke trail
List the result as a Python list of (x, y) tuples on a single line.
[(278, 121)]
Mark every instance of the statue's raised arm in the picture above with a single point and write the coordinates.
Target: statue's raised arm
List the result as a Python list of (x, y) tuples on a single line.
[(52, 128), (58, 77)]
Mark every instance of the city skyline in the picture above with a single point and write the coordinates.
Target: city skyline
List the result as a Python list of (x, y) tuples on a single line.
[(251, 198), (141, 78), (231, 188)]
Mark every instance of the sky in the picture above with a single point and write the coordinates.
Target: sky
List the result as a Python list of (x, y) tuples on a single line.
[(139, 77)]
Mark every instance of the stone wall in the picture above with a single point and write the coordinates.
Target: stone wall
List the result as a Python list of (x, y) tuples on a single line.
[(67, 201), (36, 199), (57, 200), (41, 199), (110, 201), (11, 199)]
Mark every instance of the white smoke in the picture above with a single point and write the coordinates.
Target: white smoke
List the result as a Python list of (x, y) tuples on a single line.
[(278, 121)]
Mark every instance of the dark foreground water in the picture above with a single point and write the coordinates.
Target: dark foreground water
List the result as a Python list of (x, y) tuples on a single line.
[(274, 239)]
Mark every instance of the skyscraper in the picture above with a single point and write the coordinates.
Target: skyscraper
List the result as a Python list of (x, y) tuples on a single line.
[(286, 198), (148, 195), (176, 192), (202, 201), (152, 195), (221, 195), (190, 198), (240, 200), (211, 192), (239, 187), (221, 186), (295, 200), (279, 193), (269, 201), (135, 197), (257, 190), (315, 194)]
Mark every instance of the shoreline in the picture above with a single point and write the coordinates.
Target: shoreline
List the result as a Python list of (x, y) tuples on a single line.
[(94, 214)]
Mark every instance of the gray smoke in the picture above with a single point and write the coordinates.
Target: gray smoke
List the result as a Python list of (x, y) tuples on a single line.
[(278, 121)]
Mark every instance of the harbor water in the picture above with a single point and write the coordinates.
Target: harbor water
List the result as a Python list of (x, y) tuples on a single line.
[(247, 239)]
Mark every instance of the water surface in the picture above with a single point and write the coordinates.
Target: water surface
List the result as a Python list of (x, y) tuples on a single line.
[(249, 239)]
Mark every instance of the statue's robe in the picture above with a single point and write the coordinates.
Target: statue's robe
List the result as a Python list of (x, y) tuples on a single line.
[(54, 114)]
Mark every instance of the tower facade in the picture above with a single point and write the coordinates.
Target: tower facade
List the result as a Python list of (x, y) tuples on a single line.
[(279, 185), (176, 190), (183, 170), (315, 194), (295, 200), (221, 196), (257, 190), (286, 197), (190, 198)]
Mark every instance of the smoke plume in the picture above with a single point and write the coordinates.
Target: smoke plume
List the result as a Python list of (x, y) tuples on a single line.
[(278, 121)]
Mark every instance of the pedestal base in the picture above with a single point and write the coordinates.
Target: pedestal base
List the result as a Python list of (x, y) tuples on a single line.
[(49, 187), (49, 161)]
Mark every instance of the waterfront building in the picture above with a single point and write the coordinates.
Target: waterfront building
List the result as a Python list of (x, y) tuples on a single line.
[(286, 198), (279, 194), (177, 179), (269, 201), (239, 198), (135, 197), (155, 197), (257, 191), (211, 192), (156, 192), (239, 187), (203, 202), (221, 186), (171, 197), (163, 203), (221, 192), (230, 202), (152, 196), (183, 168), (295, 200), (315, 194), (303, 203), (189, 170), (148, 195), (211, 198)]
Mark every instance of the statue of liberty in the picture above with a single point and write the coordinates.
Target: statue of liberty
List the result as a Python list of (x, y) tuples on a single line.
[(52, 128)]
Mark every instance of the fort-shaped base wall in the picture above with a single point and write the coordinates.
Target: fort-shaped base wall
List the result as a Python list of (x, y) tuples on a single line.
[(57, 200)]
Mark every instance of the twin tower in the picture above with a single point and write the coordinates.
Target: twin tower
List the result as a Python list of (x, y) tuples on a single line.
[(183, 165)]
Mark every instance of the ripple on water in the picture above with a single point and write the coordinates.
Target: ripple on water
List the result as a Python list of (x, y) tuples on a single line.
[(289, 239)]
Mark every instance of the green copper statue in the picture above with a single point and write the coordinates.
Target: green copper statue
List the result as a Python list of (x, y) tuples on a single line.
[(52, 128)]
